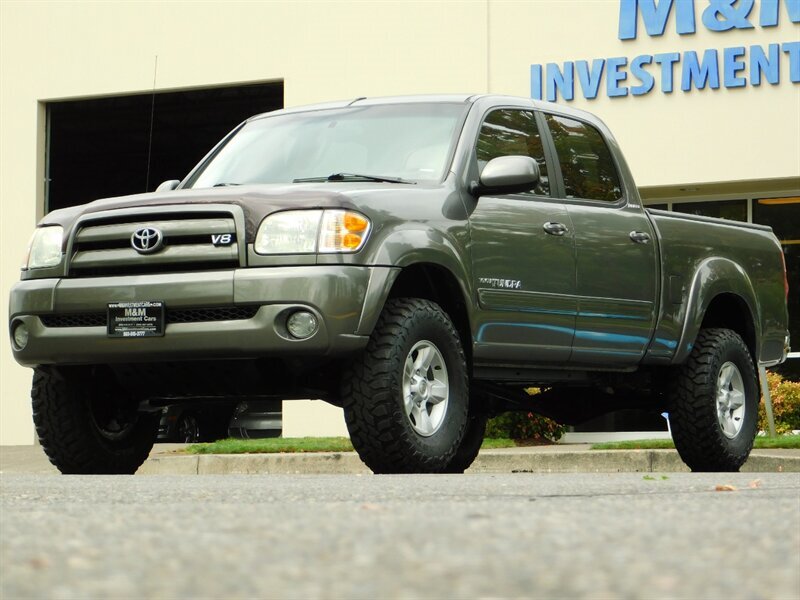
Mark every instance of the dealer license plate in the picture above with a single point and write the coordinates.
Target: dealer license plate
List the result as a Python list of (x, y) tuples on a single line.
[(136, 319)]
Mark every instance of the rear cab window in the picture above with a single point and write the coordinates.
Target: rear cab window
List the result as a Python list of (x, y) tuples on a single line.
[(587, 165)]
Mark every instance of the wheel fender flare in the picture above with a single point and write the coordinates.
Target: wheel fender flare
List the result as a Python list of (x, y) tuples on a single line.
[(406, 246), (713, 277)]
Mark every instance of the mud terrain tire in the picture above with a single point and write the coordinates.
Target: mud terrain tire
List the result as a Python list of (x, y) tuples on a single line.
[(406, 398), (714, 403), (68, 425)]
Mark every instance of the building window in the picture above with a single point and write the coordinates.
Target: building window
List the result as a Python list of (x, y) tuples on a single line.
[(735, 210)]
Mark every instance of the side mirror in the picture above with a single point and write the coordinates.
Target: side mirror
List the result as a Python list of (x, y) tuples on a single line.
[(507, 175), (168, 186)]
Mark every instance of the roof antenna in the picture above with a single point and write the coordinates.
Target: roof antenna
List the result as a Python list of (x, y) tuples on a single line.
[(152, 113)]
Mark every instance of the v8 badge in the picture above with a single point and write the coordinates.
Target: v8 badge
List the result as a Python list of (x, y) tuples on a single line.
[(221, 239)]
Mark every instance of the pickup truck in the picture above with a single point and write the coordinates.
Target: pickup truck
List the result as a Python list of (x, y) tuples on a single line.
[(419, 261)]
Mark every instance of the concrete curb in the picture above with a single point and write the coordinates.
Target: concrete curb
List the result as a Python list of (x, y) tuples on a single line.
[(327, 463), (616, 461), (167, 460), (489, 461)]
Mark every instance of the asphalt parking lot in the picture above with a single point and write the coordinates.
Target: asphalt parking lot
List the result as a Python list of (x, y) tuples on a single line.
[(553, 521), (622, 535)]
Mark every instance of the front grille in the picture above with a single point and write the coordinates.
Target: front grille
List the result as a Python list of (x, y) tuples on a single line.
[(219, 313), (103, 247), (175, 315), (75, 320)]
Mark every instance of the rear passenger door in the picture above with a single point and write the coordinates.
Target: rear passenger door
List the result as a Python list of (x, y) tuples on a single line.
[(615, 249), (524, 274)]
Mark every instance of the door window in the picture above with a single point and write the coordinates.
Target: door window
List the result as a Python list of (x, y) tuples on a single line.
[(512, 132), (586, 163)]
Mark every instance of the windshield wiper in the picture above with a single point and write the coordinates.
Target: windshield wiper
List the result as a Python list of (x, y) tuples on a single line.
[(225, 184), (353, 176)]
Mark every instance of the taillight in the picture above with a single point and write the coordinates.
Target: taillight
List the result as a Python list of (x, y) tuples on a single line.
[(785, 276)]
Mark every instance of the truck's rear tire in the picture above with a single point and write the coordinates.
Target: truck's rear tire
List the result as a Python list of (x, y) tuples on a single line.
[(85, 423), (714, 403), (406, 398)]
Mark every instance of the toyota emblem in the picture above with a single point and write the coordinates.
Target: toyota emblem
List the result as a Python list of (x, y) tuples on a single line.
[(147, 240)]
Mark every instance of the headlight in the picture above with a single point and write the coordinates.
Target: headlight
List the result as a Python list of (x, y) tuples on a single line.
[(289, 232), (309, 231), (45, 247)]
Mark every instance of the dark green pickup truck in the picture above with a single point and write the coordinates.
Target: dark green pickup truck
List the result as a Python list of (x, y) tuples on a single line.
[(419, 261)]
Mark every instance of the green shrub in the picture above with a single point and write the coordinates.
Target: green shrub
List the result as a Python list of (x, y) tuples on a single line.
[(785, 397), (521, 425)]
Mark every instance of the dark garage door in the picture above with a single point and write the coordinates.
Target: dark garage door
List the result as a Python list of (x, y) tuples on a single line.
[(100, 147)]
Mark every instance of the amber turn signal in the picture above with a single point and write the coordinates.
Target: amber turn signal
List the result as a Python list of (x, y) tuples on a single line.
[(343, 231)]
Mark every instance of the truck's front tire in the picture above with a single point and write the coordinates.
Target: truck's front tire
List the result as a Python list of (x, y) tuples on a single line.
[(714, 404), (85, 423), (406, 398), (473, 438)]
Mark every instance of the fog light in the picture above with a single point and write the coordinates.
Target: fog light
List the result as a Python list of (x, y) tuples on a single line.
[(302, 324), (20, 334)]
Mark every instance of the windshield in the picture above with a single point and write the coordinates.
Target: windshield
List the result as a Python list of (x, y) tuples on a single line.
[(410, 142)]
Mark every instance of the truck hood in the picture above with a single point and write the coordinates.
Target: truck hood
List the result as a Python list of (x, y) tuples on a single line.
[(257, 201)]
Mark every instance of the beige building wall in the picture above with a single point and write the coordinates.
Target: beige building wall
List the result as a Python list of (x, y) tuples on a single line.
[(678, 138), (333, 50), (312, 418)]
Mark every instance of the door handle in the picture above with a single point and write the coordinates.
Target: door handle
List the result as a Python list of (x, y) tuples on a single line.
[(553, 228), (640, 237)]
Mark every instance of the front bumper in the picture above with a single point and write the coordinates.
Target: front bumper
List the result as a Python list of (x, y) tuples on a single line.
[(339, 295)]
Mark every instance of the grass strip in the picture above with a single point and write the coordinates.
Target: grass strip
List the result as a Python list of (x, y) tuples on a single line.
[(782, 442), (273, 446), (308, 444), (635, 445), (492, 443)]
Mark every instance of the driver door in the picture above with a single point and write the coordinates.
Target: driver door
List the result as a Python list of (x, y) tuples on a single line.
[(523, 255)]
